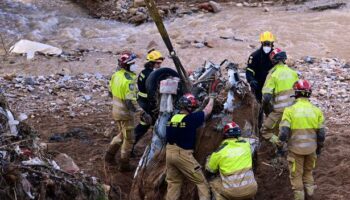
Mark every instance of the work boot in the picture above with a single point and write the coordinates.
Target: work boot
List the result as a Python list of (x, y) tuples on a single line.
[(110, 153), (124, 165), (309, 190), (299, 195)]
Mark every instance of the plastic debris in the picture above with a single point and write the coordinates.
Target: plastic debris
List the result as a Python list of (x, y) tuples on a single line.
[(29, 48)]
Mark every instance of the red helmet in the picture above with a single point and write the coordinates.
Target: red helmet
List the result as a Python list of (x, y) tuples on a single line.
[(278, 55), (302, 88), (232, 130), (188, 102), (126, 59)]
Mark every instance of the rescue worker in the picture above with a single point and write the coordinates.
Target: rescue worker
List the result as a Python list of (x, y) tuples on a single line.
[(123, 88), (233, 160), (303, 125), (148, 117), (277, 94), (181, 138), (259, 64)]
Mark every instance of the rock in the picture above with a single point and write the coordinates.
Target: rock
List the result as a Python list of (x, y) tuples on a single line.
[(239, 5), (266, 9), (309, 59), (66, 163), (30, 88), (29, 81), (246, 4), (216, 7), (331, 5), (139, 3), (347, 65), (206, 6), (133, 11), (138, 19), (198, 45), (87, 97)]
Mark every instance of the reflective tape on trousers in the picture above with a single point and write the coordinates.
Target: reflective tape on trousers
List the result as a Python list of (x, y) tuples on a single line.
[(305, 144), (283, 105), (304, 137)]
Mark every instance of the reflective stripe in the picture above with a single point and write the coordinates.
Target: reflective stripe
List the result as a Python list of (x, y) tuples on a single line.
[(141, 94), (143, 123), (238, 180), (303, 137), (267, 90), (285, 123), (293, 167), (142, 75), (283, 105), (251, 71), (118, 103), (282, 98), (177, 118), (305, 144)]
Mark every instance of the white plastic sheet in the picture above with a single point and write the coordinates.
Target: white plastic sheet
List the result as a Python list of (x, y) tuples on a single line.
[(29, 48)]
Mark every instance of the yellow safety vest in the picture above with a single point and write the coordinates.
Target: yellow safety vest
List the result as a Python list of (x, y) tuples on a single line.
[(234, 161), (279, 83), (304, 119), (123, 87)]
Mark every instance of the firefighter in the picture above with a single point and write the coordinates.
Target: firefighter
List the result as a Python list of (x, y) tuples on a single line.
[(123, 88), (259, 64), (181, 137), (233, 159), (277, 94), (302, 126), (148, 117)]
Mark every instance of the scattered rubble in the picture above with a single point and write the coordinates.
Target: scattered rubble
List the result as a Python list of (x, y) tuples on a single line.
[(29, 172)]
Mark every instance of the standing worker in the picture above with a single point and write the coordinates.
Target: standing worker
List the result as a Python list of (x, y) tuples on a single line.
[(303, 125), (259, 64), (123, 88), (277, 94), (148, 117), (233, 160), (181, 138)]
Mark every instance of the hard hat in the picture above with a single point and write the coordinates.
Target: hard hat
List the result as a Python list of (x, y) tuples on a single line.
[(267, 36), (187, 102), (232, 130), (126, 59), (302, 88), (278, 55), (154, 56)]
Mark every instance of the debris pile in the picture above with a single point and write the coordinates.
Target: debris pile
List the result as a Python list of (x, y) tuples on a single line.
[(72, 96), (28, 172), (330, 78)]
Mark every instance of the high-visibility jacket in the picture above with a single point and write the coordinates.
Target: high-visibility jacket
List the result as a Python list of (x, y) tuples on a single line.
[(304, 119), (233, 160), (279, 83), (123, 87)]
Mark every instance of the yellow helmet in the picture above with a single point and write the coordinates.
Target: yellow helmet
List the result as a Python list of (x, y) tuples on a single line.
[(154, 56), (267, 36)]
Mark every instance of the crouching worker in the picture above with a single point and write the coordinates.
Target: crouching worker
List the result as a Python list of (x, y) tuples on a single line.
[(181, 138), (233, 160)]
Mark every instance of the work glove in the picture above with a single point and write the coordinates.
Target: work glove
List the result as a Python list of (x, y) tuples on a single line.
[(282, 149), (254, 85), (275, 141), (147, 118)]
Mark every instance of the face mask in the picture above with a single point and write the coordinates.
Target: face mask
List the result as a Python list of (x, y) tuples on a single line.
[(133, 67), (267, 49)]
